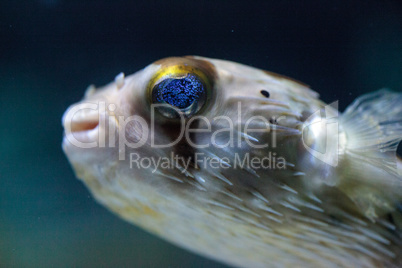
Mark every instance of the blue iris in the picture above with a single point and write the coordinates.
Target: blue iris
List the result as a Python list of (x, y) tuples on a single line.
[(179, 92)]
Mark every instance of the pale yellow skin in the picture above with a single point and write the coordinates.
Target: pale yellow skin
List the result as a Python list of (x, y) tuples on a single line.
[(309, 214)]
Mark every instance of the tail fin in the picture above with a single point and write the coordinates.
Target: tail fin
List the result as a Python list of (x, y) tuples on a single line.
[(369, 173), (373, 125)]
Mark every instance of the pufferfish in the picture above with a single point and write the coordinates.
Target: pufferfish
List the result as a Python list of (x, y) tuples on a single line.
[(244, 166)]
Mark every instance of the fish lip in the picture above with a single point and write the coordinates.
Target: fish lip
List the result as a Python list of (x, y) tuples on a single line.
[(83, 136), (81, 125), (81, 117), (86, 125)]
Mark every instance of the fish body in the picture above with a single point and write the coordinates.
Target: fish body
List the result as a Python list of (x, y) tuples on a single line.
[(243, 166)]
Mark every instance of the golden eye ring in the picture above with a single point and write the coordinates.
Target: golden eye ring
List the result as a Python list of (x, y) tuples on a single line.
[(179, 90)]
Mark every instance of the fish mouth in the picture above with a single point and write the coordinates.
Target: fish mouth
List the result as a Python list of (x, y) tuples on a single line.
[(78, 126), (81, 123)]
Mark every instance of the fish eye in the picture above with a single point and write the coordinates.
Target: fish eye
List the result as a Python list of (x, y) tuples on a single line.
[(186, 94), (181, 90)]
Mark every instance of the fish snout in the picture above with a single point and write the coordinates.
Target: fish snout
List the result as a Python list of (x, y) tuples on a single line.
[(81, 117), (81, 124)]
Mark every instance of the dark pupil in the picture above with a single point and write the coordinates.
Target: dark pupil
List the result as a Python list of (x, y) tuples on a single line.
[(180, 92)]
